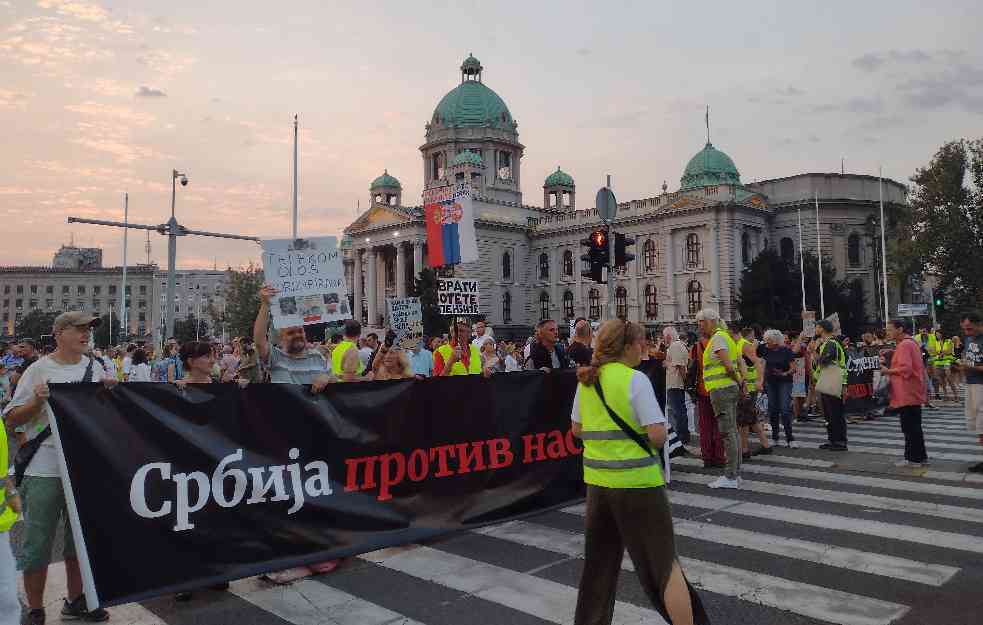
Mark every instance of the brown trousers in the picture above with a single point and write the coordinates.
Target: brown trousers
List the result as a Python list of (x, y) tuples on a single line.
[(640, 520)]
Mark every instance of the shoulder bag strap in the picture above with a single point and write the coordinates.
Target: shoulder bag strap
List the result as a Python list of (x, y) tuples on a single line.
[(87, 377), (632, 434)]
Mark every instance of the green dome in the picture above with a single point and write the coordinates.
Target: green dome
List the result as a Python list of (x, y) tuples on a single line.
[(385, 180), (709, 167), (559, 178), (472, 104), (467, 158)]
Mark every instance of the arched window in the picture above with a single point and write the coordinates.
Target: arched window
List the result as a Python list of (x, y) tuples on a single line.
[(692, 250), (437, 171), (694, 293), (544, 306), (567, 305), (390, 272), (507, 307), (745, 248), (568, 263), (787, 249), (506, 266), (594, 304), (621, 303), (544, 266), (853, 250), (651, 302), (648, 255)]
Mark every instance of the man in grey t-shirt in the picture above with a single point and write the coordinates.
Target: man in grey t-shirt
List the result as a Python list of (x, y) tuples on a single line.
[(290, 362), (972, 365)]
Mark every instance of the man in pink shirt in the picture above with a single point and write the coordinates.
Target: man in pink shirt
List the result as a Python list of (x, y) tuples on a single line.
[(908, 392)]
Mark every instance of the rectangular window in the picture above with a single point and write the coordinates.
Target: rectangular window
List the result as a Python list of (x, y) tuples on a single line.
[(20, 289), (141, 304), (19, 304), (49, 303), (49, 290), (6, 289), (64, 289), (33, 303), (64, 305), (112, 289), (96, 290), (81, 289), (34, 289), (141, 317), (143, 289)]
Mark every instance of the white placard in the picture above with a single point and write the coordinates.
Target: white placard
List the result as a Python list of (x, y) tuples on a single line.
[(309, 277), (457, 296), (809, 323), (406, 320)]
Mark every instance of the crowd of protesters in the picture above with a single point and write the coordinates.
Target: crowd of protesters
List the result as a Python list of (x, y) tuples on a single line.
[(720, 384)]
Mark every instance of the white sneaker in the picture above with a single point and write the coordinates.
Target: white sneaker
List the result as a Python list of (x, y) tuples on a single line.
[(724, 482), (793, 444)]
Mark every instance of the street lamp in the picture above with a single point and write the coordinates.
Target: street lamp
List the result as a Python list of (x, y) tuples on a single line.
[(172, 251)]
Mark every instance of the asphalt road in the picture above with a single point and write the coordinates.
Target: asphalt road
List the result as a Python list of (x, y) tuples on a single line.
[(813, 538)]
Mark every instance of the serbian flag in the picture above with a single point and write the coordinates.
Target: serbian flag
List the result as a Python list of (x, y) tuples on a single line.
[(449, 215)]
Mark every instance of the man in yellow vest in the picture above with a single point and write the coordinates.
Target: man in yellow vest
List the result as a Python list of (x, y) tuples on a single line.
[(722, 380), (344, 357), (10, 508), (459, 356), (942, 359)]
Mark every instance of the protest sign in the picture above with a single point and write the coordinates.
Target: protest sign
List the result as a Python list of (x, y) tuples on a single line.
[(860, 369), (809, 323), (406, 321), (207, 491), (457, 296), (309, 278)]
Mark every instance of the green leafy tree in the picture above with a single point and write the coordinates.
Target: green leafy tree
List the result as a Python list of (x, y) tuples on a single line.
[(35, 324), (945, 223), (241, 301), (771, 294), (102, 333), (425, 287), (187, 329)]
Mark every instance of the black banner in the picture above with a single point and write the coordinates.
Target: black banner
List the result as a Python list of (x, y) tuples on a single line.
[(178, 489), (860, 382)]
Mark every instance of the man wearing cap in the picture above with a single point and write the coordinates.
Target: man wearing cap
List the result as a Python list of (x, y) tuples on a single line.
[(41, 490), (28, 352)]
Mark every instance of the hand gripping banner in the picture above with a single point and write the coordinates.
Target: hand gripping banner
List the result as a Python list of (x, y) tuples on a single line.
[(172, 490)]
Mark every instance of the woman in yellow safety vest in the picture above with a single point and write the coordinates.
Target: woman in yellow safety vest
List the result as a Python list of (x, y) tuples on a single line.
[(942, 361), (9, 510), (616, 415), (459, 356)]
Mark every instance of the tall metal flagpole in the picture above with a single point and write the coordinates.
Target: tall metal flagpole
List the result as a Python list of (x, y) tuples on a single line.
[(294, 231), (880, 193), (802, 263), (819, 252), (122, 295)]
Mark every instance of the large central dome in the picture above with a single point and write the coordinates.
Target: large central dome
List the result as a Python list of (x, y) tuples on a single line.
[(709, 167), (471, 104)]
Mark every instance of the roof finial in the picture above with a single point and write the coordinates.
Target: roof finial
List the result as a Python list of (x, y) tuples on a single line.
[(708, 124)]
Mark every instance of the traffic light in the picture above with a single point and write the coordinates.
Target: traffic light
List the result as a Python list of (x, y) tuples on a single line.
[(621, 243), (939, 302), (597, 256)]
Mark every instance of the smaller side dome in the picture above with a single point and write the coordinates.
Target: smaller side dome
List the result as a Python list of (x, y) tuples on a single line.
[(467, 158), (471, 66), (559, 178), (385, 180)]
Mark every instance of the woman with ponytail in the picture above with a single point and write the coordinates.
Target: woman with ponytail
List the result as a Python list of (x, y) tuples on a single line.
[(616, 414)]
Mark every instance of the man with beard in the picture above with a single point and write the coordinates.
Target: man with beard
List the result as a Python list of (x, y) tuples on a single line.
[(290, 362)]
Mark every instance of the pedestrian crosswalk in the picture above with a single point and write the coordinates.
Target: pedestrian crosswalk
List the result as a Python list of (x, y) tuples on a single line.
[(810, 539)]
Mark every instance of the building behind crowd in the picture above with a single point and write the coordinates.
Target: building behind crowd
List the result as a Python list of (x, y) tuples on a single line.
[(77, 280), (692, 244)]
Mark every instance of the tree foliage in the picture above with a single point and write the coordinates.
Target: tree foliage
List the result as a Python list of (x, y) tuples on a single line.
[(187, 329), (102, 334), (771, 294), (35, 324), (946, 224), (241, 301), (425, 287)]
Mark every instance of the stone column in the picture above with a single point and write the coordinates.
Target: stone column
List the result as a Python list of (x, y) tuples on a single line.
[(373, 287), (357, 286), (400, 271), (670, 261), (417, 258)]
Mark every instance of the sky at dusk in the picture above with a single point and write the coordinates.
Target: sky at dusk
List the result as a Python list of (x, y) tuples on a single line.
[(98, 98)]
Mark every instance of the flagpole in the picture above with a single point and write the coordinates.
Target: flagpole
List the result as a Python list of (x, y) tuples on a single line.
[(880, 193), (122, 297), (802, 266), (295, 180), (819, 251)]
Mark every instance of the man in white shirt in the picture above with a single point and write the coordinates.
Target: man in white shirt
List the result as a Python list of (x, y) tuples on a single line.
[(677, 361), (41, 489)]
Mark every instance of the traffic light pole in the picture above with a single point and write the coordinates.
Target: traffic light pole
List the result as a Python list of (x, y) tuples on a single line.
[(610, 265)]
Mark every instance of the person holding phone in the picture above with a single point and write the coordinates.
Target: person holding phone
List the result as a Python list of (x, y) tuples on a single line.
[(458, 356)]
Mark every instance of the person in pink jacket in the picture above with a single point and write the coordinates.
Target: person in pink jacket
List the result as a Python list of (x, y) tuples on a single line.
[(908, 392)]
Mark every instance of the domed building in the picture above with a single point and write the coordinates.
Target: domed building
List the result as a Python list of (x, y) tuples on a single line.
[(692, 244)]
